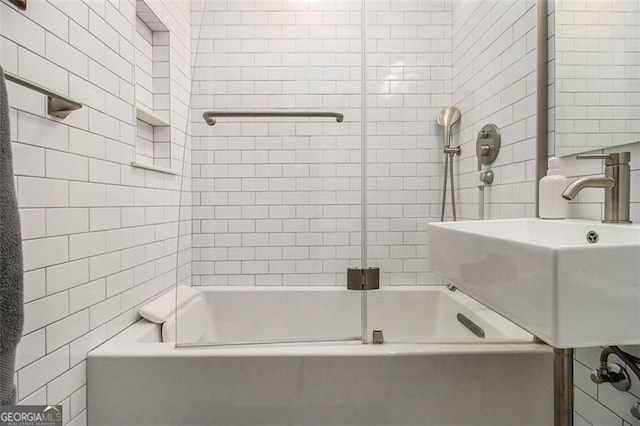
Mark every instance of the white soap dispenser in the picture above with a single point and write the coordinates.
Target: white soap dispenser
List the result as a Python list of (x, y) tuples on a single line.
[(552, 205)]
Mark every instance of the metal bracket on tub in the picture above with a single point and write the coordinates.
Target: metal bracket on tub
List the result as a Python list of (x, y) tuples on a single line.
[(363, 278), (378, 337)]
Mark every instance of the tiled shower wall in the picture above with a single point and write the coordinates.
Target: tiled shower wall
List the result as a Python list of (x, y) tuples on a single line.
[(494, 81), (409, 82), (99, 235), (297, 219), (279, 202)]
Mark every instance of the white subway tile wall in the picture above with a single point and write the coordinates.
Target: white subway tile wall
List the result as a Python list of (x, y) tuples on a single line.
[(494, 81), (153, 87), (409, 55), (144, 90), (144, 63), (277, 201), (306, 202), (598, 71), (99, 236), (415, 67)]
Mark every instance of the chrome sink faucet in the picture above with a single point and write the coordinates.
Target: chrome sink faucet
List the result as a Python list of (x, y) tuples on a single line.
[(616, 184)]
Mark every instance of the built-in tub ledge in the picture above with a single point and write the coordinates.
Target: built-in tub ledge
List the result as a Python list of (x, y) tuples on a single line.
[(153, 168)]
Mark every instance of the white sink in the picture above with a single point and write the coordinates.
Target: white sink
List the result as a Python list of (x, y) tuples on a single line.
[(546, 277)]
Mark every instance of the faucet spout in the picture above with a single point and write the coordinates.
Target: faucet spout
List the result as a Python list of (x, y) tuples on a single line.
[(616, 184), (578, 185)]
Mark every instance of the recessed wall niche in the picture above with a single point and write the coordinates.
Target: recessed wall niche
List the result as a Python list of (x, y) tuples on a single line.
[(152, 91)]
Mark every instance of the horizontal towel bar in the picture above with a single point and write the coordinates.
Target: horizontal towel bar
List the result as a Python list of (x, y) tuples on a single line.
[(210, 116), (57, 105)]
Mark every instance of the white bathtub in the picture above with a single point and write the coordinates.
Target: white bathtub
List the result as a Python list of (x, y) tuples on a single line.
[(431, 370)]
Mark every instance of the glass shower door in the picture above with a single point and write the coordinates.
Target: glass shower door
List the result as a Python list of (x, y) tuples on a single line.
[(275, 203)]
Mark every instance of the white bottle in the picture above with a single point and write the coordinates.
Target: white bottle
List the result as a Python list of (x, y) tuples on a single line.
[(552, 205)]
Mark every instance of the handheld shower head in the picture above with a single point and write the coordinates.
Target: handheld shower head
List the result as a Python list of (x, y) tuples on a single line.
[(446, 119)]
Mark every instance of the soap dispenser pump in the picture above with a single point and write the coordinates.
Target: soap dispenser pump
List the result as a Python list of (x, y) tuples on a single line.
[(551, 203)]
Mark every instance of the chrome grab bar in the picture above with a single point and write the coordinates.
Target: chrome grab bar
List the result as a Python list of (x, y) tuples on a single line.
[(210, 116)]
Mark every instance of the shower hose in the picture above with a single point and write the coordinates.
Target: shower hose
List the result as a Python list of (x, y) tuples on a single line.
[(448, 170)]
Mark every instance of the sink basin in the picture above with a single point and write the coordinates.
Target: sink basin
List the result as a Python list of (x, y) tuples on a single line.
[(556, 279)]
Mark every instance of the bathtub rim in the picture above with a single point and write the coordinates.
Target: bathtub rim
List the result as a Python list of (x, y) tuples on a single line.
[(142, 339), (510, 332), (125, 345)]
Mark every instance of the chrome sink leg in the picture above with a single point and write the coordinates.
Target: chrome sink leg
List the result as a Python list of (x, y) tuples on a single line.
[(562, 387)]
